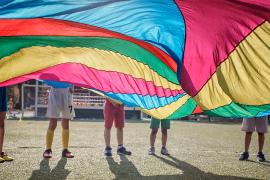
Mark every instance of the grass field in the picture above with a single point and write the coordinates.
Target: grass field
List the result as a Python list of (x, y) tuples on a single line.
[(198, 151)]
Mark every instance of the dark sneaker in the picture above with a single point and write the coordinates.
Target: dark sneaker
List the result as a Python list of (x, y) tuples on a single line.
[(151, 151), (67, 154), (47, 153), (260, 157), (108, 151), (164, 151), (122, 151), (244, 156)]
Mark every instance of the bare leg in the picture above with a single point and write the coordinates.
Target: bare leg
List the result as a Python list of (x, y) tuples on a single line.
[(65, 123), (260, 141), (3, 156), (153, 136), (107, 137), (52, 124), (2, 129), (164, 137), (119, 134), (247, 140)]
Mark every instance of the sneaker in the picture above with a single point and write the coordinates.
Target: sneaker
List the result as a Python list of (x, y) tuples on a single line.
[(122, 151), (5, 157), (244, 156), (2, 160), (108, 151), (67, 154), (151, 151), (47, 153), (164, 151), (260, 157)]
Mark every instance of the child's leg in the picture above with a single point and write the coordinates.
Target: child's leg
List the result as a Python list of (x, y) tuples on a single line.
[(247, 140), (107, 136), (119, 135), (261, 128), (65, 138), (65, 133), (2, 129), (119, 122), (248, 126), (108, 114), (164, 137), (153, 136), (164, 150), (3, 156), (165, 125), (260, 141), (50, 133), (107, 130), (154, 125)]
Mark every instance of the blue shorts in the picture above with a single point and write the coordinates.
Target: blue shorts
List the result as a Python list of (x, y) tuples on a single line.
[(3, 99)]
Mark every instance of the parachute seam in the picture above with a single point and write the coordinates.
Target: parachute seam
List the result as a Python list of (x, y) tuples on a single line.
[(224, 60), (107, 50)]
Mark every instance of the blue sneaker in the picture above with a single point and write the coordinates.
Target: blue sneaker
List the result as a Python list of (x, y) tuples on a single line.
[(260, 157), (122, 151), (164, 151), (151, 151), (108, 151), (244, 156)]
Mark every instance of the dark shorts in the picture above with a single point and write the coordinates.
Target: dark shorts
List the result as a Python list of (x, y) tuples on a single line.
[(3, 99), (155, 123)]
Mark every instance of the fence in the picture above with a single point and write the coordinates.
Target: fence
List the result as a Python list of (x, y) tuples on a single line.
[(34, 102)]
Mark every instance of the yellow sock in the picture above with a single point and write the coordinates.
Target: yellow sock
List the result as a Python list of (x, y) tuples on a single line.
[(49, 139), (65, 138)]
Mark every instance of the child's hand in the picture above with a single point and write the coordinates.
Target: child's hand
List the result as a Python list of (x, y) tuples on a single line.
[(115, 103)]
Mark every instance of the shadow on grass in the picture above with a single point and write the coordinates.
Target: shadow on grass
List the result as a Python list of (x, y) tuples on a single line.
[(124, 170), (45, 172), (265, 163), (127, 170), (30, 147)]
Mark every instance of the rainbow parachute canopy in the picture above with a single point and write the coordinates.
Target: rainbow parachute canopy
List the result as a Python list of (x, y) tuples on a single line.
[(139, 52)]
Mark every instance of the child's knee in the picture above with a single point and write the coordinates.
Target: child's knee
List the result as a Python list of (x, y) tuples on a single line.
[(65, 124), (108, 126), (2, 124), (53, 124), (119, 128), (164, 131), (154, 131)]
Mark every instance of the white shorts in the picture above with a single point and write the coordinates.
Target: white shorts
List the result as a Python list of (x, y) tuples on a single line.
[(60, 104), (249, 124)]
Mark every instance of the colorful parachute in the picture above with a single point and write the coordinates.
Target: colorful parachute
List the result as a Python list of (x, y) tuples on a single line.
[(139, 52)]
